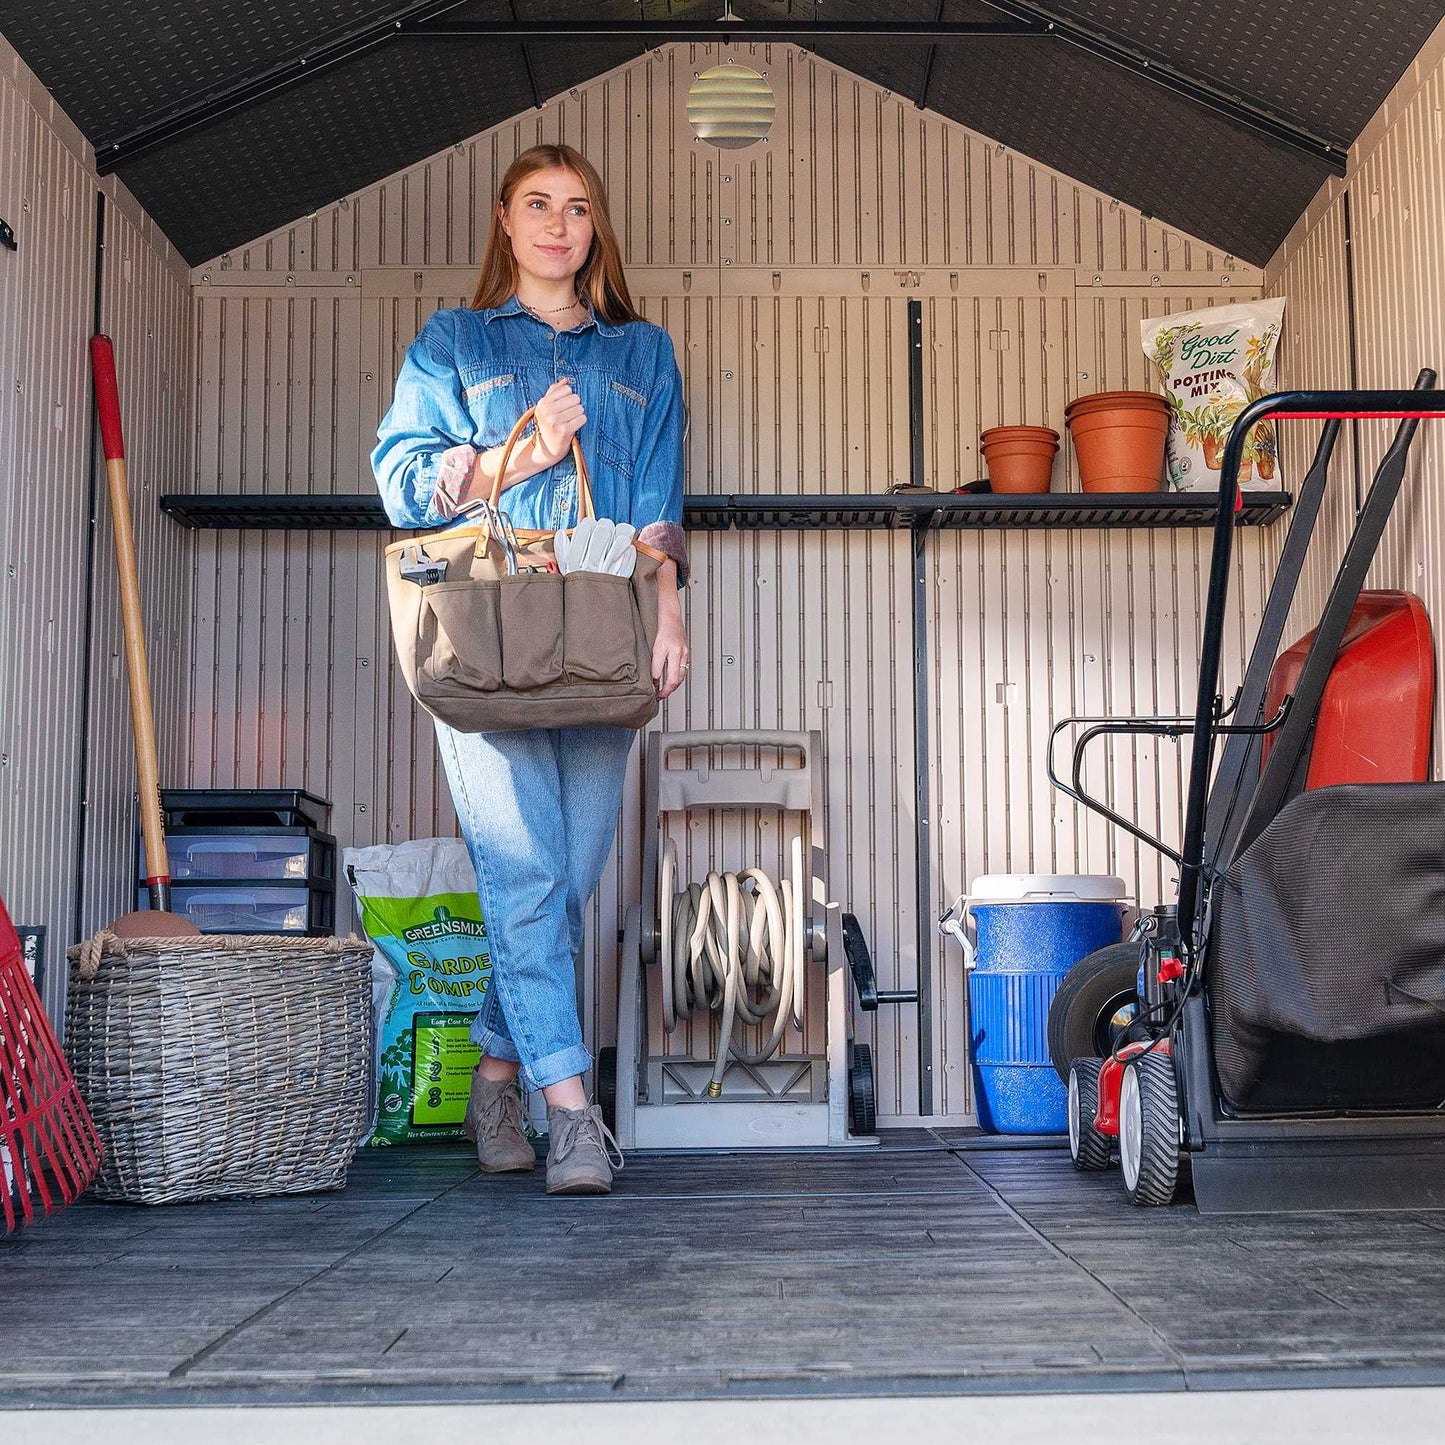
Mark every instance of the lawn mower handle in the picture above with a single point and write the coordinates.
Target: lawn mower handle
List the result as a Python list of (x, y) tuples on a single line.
[(1300, 405), (1159, 727)]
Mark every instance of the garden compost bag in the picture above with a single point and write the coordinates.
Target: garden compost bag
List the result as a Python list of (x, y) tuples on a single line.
[(430, 971), (1214, 363)]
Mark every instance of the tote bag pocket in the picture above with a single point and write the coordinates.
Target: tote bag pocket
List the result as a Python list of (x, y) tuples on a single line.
[(602, 629), (531, 630), (466, 649)]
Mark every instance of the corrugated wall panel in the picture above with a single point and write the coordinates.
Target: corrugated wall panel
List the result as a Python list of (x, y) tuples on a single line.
[(1032, 627), (1399, 249), (45, 308), (1394, 185), (48, 190), (783, 275)]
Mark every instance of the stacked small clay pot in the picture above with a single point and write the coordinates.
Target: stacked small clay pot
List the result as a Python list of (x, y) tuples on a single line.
[(1019, 458)]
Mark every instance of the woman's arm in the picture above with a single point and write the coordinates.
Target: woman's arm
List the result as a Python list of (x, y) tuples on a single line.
[(656, 512), (425, 465), (655, 507), (671, 656), (427, 418), (560, 416)]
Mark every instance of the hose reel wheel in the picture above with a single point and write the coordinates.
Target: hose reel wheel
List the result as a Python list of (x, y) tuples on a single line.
[(862, 1095), (607, 1085)]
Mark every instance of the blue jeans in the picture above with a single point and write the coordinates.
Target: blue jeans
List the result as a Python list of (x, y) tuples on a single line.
[(538, 810)]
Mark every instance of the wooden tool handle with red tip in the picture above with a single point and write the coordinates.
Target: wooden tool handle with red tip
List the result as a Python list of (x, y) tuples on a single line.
[(107, 405)]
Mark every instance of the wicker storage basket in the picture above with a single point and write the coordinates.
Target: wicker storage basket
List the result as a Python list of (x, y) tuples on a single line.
[(224, 1065)]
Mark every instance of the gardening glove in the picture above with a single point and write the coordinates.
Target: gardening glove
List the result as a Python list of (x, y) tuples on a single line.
[(561, 547), (621, 556), (574, 557), (594, 552)]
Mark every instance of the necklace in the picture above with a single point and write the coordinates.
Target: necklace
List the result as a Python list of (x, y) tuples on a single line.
[(551, 311)]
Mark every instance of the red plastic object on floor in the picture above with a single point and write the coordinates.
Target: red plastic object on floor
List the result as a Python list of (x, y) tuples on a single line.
[(49, 1151), (1374, 719)]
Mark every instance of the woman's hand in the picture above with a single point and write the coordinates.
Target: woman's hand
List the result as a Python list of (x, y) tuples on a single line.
[(559, 418), (671, 656)]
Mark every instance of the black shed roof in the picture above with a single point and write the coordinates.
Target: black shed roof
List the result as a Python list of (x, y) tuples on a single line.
[(1220, 118)]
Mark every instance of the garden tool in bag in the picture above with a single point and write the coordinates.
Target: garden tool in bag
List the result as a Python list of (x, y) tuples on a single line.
[(501, 628)]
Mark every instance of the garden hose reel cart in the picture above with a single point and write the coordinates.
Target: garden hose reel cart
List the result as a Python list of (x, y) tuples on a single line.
[(1290, 1041), (732, 1020)]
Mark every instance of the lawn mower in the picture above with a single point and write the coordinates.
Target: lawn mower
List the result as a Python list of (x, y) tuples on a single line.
[(1284, 1037)]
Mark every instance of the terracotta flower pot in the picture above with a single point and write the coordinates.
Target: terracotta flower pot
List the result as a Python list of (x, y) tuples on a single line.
[(1020, 458), (1119, 440)]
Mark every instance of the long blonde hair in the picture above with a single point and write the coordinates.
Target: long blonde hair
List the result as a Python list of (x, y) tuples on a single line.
[(600, 282)]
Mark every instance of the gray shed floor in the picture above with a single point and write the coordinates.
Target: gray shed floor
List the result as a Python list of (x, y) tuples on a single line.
[(920, 1268)]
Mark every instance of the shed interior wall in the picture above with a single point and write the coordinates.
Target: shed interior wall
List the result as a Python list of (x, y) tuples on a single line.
[(1390, 199), (67, 789), (782, 273)]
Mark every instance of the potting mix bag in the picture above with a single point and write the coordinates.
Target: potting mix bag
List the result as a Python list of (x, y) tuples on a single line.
[(430, 971), (1215, 363)]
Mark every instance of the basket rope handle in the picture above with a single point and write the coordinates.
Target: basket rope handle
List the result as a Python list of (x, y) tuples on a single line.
[(87, 954), (91, 950), (584, 479)]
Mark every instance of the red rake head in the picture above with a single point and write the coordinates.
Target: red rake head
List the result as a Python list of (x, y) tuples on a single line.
[(49, 1151)]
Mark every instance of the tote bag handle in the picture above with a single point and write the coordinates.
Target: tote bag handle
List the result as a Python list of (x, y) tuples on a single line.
[(584, 480)]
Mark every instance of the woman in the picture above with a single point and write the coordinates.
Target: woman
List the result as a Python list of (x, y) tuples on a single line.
[(552, 326)]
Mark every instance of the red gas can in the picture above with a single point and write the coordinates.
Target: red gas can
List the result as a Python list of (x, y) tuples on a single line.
[(1374, 719)]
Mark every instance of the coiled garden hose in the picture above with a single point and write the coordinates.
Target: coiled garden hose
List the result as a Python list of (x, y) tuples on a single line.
[(733, 945)]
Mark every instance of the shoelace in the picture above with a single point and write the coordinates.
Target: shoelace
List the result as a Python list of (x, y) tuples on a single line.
[(589, 1122), (495, 1114)]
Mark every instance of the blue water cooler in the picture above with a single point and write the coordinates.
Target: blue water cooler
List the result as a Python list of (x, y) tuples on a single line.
[(1031, 928)]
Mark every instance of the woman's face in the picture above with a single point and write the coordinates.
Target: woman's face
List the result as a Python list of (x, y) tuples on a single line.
[(549, 220)]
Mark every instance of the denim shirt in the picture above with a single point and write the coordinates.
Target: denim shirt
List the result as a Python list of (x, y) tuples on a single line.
[(470, 374)]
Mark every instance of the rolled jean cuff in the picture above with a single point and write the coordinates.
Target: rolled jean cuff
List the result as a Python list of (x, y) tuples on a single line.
[(564, 1064), (495, 1045)]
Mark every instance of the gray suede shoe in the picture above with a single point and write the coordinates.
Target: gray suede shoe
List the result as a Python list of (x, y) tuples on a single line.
[(494, 1121), (582, 1155)]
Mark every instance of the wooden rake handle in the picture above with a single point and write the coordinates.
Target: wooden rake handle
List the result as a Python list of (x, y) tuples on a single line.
[(107, 405)]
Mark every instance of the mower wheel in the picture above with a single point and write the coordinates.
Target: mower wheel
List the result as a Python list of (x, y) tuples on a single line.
[(1149, 1130), (862, 1098), (1099, 995), (607, 1084), (1088, 1148)]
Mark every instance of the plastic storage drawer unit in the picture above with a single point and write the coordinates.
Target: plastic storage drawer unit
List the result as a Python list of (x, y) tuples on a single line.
[(254, 857), (239, 909)]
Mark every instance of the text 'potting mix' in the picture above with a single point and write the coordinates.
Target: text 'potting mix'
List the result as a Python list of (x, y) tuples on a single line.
[(1215, 363)]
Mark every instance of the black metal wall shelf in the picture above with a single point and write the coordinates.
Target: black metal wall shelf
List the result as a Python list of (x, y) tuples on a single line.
[(903, 511)]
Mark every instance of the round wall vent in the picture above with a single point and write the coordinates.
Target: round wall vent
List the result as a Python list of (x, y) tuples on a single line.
[(730, 106)]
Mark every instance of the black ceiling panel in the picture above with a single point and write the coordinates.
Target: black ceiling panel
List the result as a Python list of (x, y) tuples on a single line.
[(896, 67), (111, 63), (1167, 156), (222, 186), (1328, 64), (118, 67)]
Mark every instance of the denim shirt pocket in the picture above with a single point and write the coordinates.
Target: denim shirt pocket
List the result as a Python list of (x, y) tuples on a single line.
[(495, 397), (619, 431)]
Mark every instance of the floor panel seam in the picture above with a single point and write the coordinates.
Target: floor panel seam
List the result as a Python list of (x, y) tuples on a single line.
[(1061, 1253), (182, 1371)]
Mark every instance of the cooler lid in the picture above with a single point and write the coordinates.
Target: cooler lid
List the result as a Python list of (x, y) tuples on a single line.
[(1047, 888)]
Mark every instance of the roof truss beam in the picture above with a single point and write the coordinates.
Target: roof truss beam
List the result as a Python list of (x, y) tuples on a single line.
[(1020, 20)]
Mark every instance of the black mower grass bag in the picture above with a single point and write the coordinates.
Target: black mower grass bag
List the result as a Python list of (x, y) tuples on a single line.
[(1326, 970)]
